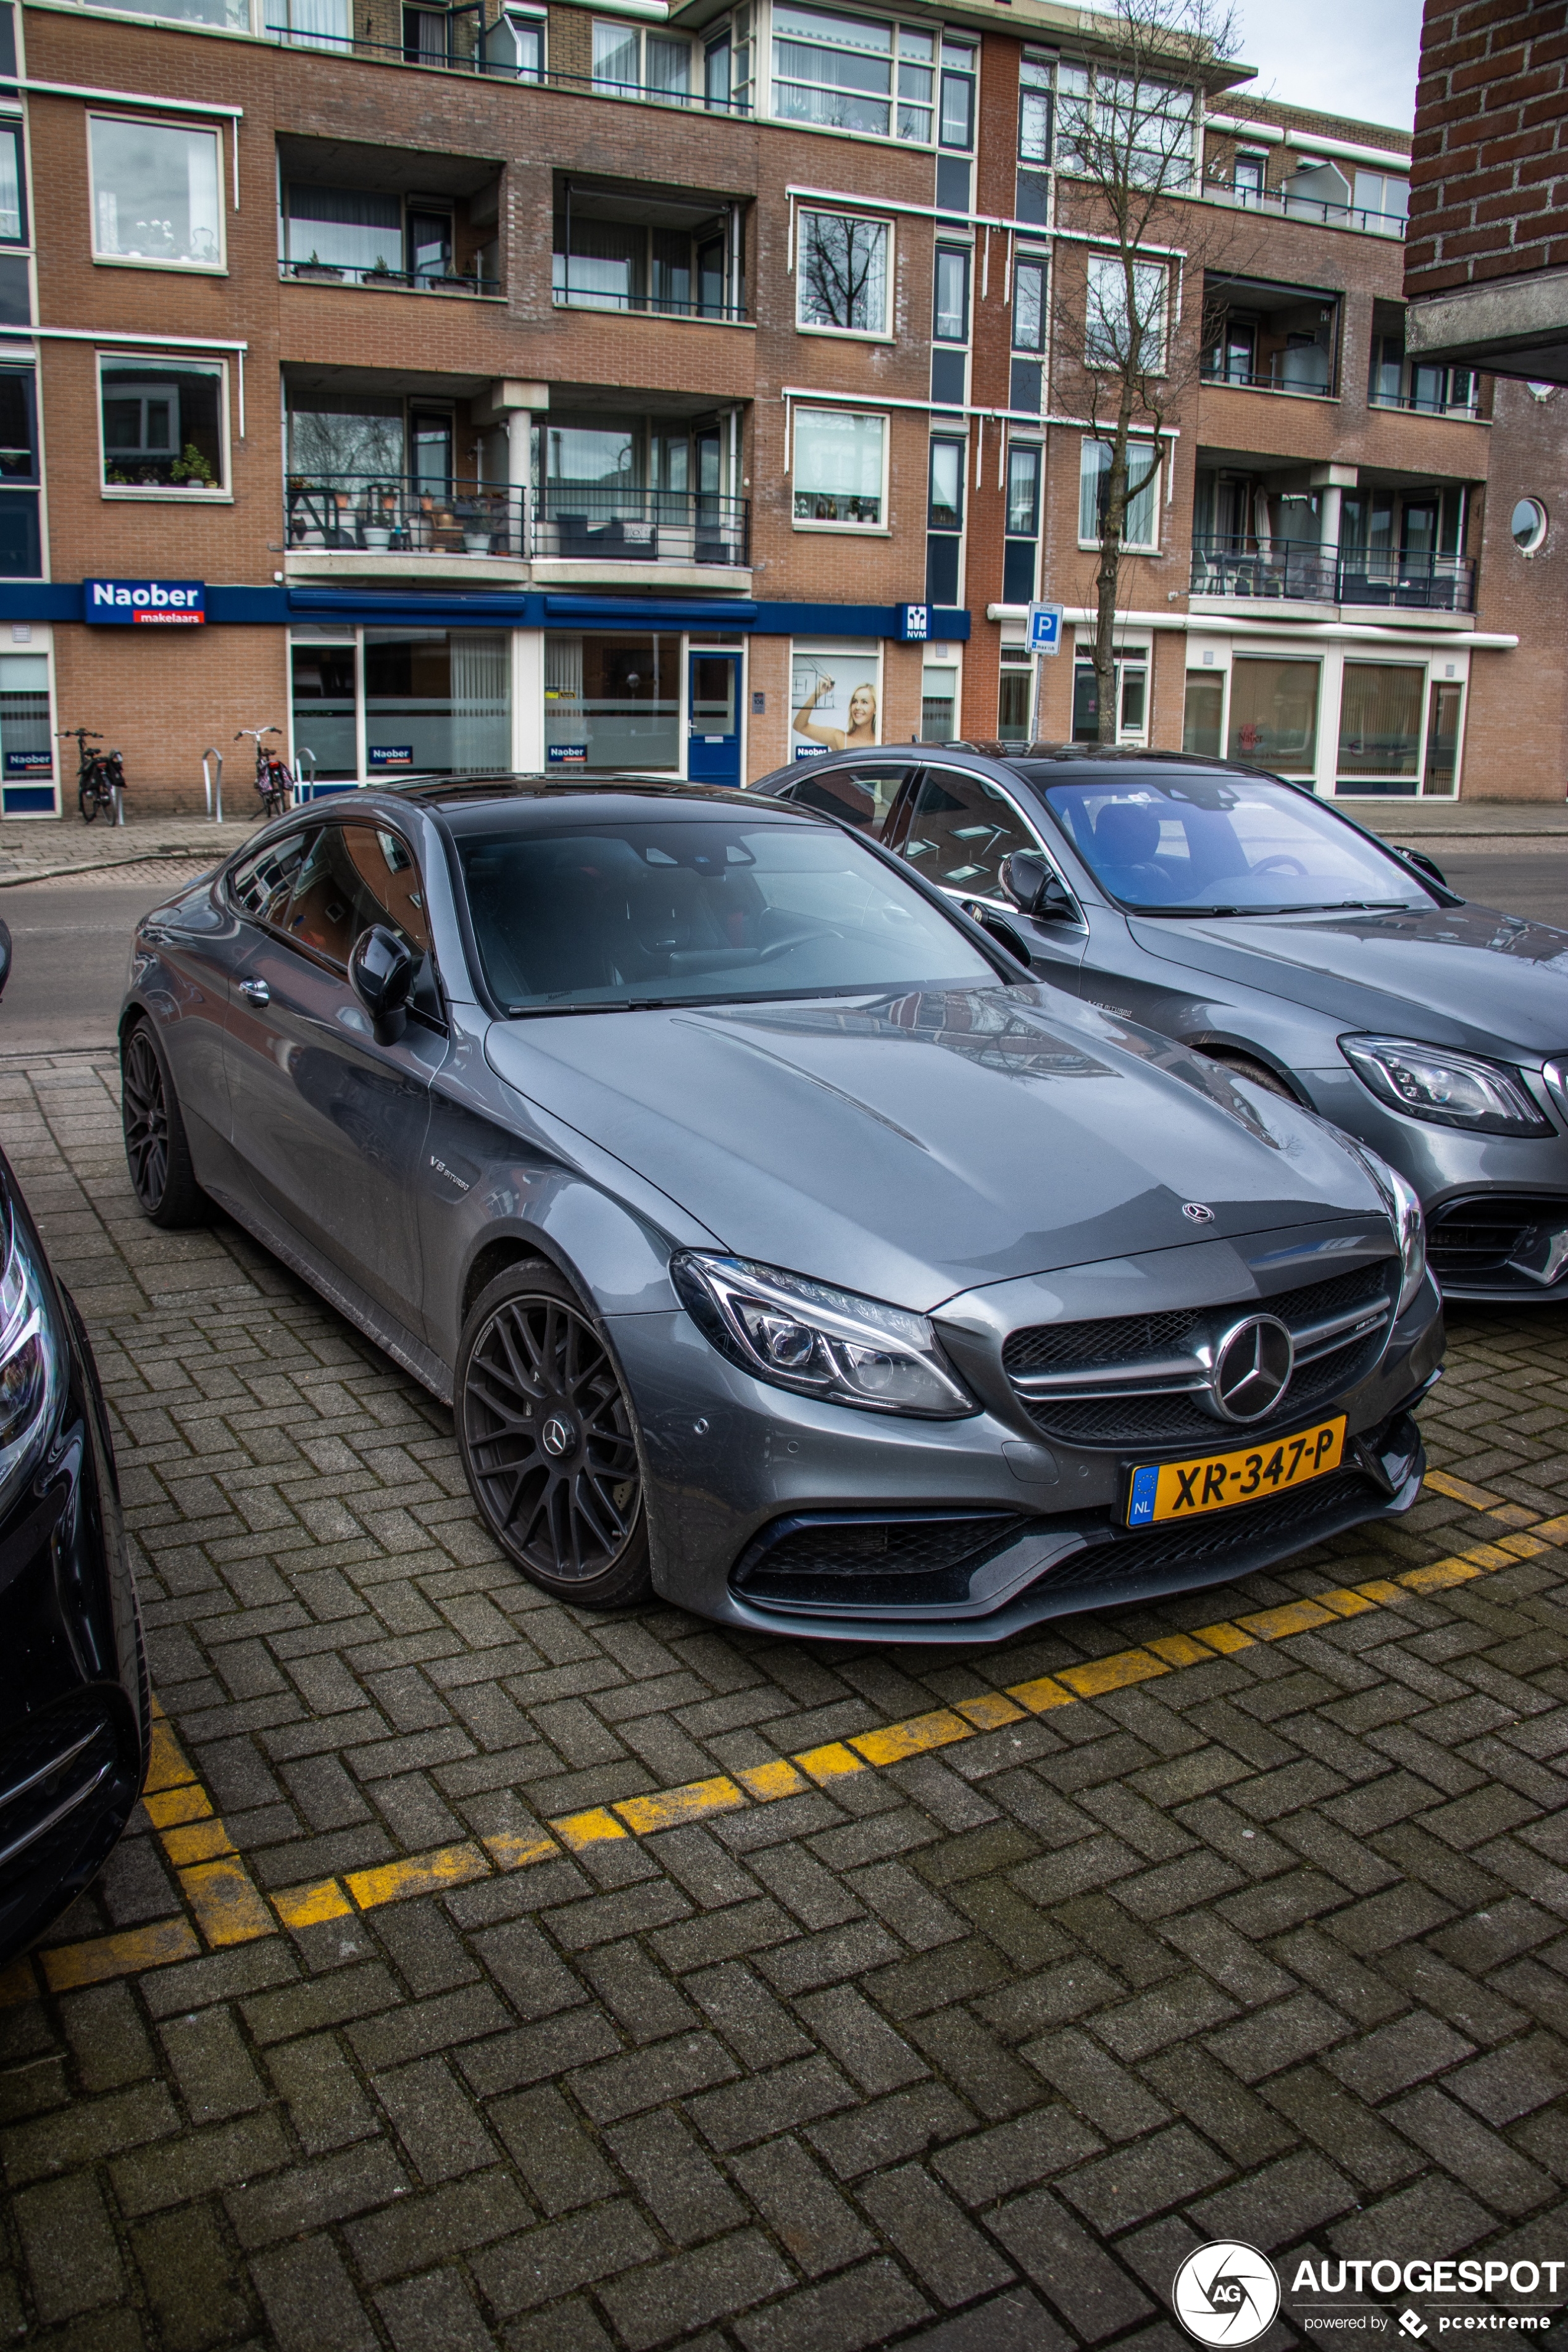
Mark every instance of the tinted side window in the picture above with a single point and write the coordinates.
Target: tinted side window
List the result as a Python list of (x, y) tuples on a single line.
[(260, 886), (961, 828), (857, 796), (353, 876)]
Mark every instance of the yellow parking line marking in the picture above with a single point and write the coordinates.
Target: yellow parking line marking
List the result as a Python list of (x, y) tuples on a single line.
[(1459, 1490), (422, 1874), (228, 1909)]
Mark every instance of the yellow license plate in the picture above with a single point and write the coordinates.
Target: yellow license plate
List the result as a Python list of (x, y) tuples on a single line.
[(1215, 1482)]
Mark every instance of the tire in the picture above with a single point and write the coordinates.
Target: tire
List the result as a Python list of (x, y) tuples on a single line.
[(88, 798), (549, 1441), (1243, 1065), (156, 1151)]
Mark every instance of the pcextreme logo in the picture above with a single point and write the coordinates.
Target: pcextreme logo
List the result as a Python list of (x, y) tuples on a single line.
[(1227, 2293)]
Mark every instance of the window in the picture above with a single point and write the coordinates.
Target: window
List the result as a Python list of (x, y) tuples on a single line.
[(260, 886), (842, 73), (1380, 723), (1131, 674), (614, 251), (944, 521), (21, 553), (956, 126), (1202, 721), (1034, 111), (1141, 529), (438, 700), (960, 830), (1274, 715), (950, 322), (325, 725), (351, 230), (13, 206), (1029, 304), (353, 876), (156, 194), (1443, 714), (1528, 524), (232, 15), (1023, 522), (939, 702), (1146, 127), (514, 45), (630, 62), (162, 426), (326, 24), (840, 461), (1015, 694), (1383, 199), (1251, 173), (611, 701), (857, 796), (1114, 336), (843, 278), (835, 695), (718, 61)]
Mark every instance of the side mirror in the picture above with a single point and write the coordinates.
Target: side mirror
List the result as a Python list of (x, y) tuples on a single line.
[(1428, 866), (1034, 888), (381, 973)]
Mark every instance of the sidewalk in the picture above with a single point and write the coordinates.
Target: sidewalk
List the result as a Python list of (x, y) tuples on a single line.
[(1416, 819), (30, 852)]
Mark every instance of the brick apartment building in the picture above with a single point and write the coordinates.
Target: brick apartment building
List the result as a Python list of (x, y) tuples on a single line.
[(682, 388)]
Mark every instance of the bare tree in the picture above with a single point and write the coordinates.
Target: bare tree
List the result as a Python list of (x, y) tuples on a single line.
[(1129, 130), (844, 270)]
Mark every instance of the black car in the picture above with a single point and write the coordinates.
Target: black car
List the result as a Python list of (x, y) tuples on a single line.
[(1261, 927), (75, 1709)]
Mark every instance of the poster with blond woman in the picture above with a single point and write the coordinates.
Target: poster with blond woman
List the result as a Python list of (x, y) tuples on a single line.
[(835, 703)]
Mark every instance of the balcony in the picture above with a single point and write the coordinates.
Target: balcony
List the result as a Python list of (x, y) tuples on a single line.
[(1286, 204), (463, 522), (457, 40), (386, 281), (670, 253), (1298, 572), (1270, 338)]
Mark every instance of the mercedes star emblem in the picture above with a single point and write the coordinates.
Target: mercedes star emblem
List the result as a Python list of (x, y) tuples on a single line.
[(1252, 1367), (1196, 1213)]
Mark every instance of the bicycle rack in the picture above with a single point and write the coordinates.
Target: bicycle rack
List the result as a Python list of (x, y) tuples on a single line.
[(212, 752), (301, 755), (119, 804)]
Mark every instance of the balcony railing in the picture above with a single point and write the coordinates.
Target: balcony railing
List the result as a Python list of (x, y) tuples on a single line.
[(1294, 573), (466, 54), (649, 306), (1289, 371), (323, 273), (1307, 208), (1417, 403), (380, 514)]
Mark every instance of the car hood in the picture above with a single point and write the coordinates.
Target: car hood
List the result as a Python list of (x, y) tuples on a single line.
[(910, 1146), (1462, 976)]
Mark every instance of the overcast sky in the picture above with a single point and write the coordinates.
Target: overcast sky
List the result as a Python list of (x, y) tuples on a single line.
[(1343, 57)]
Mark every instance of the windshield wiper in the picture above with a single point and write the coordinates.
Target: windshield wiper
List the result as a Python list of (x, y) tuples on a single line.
[(1301, 906)]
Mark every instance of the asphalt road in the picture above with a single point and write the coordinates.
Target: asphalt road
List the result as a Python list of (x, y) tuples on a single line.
[(71, 940)]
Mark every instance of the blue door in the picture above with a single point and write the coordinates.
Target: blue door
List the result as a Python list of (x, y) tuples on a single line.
[(713, 729)]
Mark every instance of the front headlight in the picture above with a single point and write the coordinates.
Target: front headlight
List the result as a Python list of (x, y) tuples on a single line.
[(821, 1342), (30, 1362), (1407, 1215), (1449, 1090)]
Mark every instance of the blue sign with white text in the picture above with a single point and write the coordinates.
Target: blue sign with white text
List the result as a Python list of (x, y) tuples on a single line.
[(162, 604), (391, 755), (29, 763), (1141, 1505), (1044, 629), (914, 624)]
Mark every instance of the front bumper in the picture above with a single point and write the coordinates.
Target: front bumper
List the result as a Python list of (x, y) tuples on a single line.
[(992, 1529), (74, 1702)]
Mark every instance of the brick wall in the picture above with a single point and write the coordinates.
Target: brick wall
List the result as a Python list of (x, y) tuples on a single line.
[(1491, 144)]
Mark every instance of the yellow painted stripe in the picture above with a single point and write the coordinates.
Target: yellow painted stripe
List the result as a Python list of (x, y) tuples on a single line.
[(592, 1828), (1552, 1531), (167, 1768), (309, 1907), (18, 1983), (1181, 1650), (228, 1907), (768, 1782), (915, 1738), (1043, 1692), (832, 1762), (1225, 1638), (1459, 1490), (511, 1850), (1115, 1672), (644, 1815), (423, 1873), (197, 1842), (991, 1712), (167, 1806), (69, 1966), (1346, 1604), (1294, 1617)]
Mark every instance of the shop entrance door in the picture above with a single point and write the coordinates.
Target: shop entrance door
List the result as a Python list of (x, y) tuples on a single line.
[(713, 729)]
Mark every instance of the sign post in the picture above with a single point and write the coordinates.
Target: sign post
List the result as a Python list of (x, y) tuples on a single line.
[(1045, 642)]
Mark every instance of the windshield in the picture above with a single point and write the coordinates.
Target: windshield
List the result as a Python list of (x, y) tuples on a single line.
[(692, 910), (1203, 843)]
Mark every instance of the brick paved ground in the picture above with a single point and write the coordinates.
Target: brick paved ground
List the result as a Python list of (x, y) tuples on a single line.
[(965, 2051)]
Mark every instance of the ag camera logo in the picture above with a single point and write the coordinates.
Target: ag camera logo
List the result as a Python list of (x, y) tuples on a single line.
[(1227, 2293)]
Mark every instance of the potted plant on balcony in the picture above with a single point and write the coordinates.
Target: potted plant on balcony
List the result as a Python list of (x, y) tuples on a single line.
[(382, 273), (316, 268)]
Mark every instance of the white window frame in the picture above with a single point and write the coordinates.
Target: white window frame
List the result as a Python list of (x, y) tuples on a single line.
[(877, 334), (160, 493), (640, 35), (218, 268), (894, 135), (881, 529), (1152, 492), (1105, 267)]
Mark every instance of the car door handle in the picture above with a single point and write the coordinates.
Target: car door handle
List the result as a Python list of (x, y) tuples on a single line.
[(256, 990)]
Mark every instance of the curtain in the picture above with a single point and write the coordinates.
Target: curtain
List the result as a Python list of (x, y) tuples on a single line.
[(319, 23), (481, 704)]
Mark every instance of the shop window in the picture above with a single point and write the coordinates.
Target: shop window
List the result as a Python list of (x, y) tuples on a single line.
[(1443, 716), (1023, 521), (939, 702), (1140, 530), (840, 463), (1274, 715), (835, 697), (1380, 726), (26, 743), (611, 701), (156, 194), (162, 426), (325, 733), (1203, 721), (843, 274), (1014, 696), (437, 700)]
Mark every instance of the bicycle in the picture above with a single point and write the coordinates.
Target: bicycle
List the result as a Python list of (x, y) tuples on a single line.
[(274, 778), (99, 774)]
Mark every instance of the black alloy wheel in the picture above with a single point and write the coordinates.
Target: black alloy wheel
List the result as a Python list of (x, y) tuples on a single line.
[(549, 1443), (156, 1151)]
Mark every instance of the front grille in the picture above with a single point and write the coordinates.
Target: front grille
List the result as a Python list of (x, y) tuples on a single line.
[(1120, 1344), (1470, 1241), (68, 1778), (1164, 1558), (868, 1560)]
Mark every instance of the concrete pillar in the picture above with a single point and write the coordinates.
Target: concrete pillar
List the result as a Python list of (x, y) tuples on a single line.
[(513, 403), (1332, 482)]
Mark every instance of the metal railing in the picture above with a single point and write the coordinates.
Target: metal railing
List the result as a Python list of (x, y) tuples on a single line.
[(650, 306), (1415, 403), (1296, 572), (1309, 209), (379, 514), (324, 273), (1322, 385), (465, 53)]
